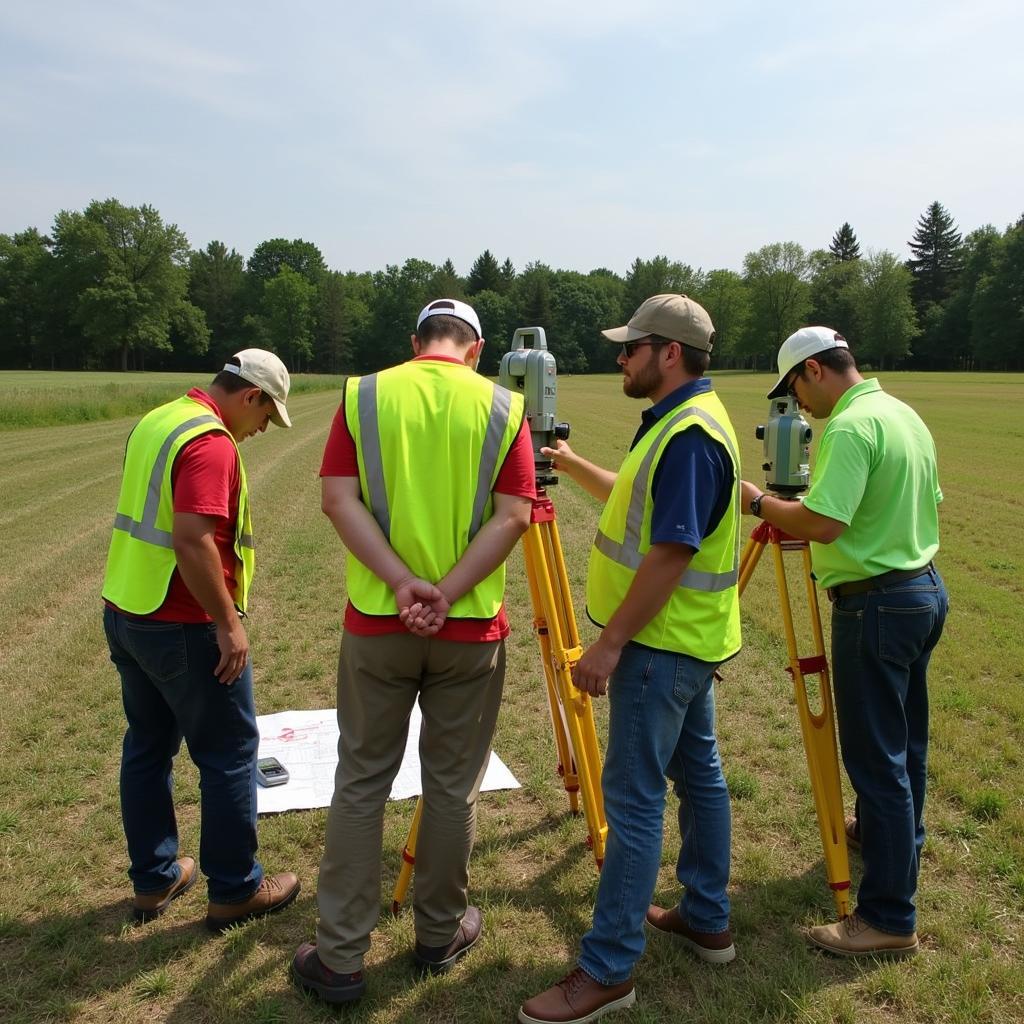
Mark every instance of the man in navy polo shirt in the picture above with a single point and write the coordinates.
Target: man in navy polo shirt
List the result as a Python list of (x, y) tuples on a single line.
[(662, 584)]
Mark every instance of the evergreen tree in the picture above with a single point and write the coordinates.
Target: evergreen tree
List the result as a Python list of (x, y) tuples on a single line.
[(508, 276), (936, 246), (485, 274), (446, 283), (936, 266), (844, 245)]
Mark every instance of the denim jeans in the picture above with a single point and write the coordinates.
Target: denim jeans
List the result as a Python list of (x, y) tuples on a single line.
[(169, 691), (881, 643), (661, 723)]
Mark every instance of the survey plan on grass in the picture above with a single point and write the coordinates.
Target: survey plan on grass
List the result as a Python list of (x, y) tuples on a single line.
[(306, 743)]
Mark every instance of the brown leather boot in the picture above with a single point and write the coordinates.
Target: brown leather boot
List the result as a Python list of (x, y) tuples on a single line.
[(439, 959), (149, 905), (275, 893), (576, 999), (711, 947)]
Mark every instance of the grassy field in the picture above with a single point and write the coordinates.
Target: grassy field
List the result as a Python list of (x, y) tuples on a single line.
[(66, 952), (41, 398)]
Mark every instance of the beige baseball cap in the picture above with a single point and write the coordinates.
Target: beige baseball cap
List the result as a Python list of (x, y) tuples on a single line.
[(675, 317), (264, 370), (801, 345)]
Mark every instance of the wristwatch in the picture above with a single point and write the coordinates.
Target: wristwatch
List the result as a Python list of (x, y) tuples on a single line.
[(755, 505)]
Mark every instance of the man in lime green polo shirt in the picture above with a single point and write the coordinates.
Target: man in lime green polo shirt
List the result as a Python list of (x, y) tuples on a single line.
[(871, 516)]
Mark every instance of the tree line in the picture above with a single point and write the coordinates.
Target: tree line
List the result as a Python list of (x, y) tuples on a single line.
[(114, 286)]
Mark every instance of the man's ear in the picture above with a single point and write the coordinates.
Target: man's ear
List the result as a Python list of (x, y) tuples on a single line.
[(473, 353), (415, 342)]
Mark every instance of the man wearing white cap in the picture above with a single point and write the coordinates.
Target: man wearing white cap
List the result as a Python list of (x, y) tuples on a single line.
[(662, 584), (871, 516), (428, 477), (177, 580)]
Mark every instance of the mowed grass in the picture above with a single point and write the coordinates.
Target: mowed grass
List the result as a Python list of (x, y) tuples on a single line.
[(39, 398), (66, 952)]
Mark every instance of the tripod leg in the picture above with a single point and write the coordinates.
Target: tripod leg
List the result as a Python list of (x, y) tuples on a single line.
[(535, 571), (408, 861), (818, 733), (545, 563)]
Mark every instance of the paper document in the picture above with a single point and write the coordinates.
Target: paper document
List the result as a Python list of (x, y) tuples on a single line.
[(306, 743)]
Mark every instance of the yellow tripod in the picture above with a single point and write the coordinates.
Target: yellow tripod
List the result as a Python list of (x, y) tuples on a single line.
[(572, 716), (818, 729)]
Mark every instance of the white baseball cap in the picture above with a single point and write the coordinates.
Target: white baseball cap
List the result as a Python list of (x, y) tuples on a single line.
[(264, 370), (451, 307), (806, 342)]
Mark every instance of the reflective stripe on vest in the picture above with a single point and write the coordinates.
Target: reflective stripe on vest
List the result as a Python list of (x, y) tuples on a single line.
[(373, 461), (146, 528), (628, 553)]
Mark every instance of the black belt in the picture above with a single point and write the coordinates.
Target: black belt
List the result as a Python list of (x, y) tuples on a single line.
[(877, 582)]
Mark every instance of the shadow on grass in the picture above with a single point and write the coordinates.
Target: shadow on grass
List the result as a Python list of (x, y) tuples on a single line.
[(55, 967)]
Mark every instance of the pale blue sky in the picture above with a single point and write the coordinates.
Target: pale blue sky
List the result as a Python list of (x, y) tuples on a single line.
[(581, 134)]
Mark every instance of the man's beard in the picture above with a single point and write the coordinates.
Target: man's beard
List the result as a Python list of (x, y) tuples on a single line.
[(645, 380)]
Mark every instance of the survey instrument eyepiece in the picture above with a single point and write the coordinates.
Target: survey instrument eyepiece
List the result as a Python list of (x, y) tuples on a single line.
[(528, 367), (787, 453)]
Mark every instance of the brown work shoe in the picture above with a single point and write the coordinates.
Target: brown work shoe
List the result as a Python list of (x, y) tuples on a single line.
[(853, 936), (711, 947), (576, 999), (148, 905), (312, 974), (853, 832), (275, 893), (438, 959)]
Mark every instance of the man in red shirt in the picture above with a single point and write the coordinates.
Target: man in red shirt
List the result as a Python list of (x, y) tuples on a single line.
[(177, 578), (428, 477)]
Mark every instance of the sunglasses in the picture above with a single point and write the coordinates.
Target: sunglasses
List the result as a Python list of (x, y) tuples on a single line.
[(629, 347)]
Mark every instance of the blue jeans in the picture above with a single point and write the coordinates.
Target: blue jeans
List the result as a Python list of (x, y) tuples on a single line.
[(169, 691), (881, 643), (661, 723)]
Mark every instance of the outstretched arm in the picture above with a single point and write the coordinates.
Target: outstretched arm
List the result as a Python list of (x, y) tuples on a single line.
[(792, 517), (593, 479)]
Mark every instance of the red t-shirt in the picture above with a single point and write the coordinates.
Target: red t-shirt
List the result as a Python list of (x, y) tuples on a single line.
[(515, 477), (205, 480)]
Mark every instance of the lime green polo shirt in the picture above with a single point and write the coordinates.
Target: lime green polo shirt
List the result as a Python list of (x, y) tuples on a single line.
[(876, 472)]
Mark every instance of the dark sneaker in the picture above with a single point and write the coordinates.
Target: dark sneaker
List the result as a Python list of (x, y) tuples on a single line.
[(275, 893), (148, 905), (310, 973), (711, 947), (853, 936), (576, 999), (438, 959), (853, 833)]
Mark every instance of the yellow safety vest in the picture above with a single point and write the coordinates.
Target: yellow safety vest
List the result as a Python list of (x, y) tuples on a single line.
[(702, 617), (431, 437), (141, 559)]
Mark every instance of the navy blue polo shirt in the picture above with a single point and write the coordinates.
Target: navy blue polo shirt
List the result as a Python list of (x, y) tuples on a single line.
[(694, 480)]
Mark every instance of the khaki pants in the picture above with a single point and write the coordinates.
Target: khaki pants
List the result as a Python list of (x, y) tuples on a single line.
[(379, 678)]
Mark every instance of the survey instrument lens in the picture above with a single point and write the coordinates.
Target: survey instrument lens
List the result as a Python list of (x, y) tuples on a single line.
[(787, 447)]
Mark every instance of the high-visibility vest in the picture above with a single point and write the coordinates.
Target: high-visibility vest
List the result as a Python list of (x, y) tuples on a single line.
[(702, 616), (141, 559), (431, 437)]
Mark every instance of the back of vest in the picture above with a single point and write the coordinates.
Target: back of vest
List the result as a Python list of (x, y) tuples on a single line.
[(431, 437)]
